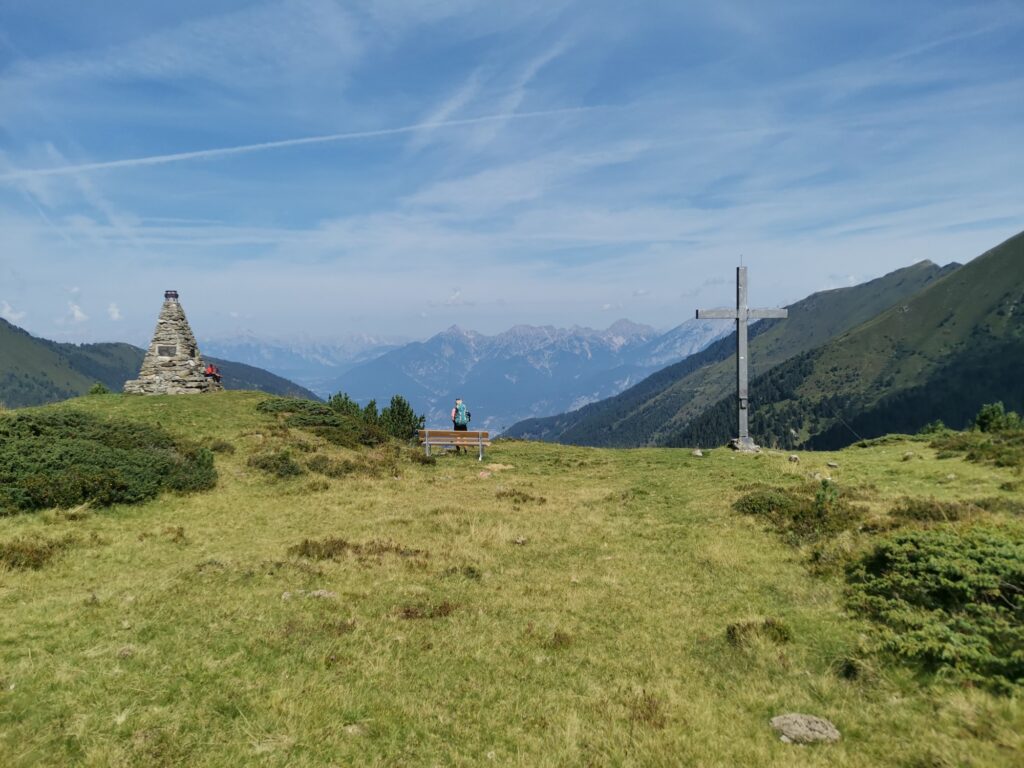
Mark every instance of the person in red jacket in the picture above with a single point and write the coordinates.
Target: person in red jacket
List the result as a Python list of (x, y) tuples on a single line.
[(212, 372)]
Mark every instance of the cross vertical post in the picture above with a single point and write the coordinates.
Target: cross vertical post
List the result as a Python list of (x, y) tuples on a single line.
[(742, 371), (741, 315)]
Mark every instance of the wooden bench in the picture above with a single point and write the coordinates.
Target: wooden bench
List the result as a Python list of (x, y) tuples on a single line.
[(453, 438)]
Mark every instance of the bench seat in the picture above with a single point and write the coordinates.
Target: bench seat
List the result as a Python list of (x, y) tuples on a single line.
[(454, 438)]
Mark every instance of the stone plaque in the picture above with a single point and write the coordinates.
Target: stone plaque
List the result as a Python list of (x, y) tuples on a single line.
[(165, 351)]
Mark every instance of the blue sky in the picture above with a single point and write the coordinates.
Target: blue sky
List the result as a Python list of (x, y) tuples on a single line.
[(489, 163)]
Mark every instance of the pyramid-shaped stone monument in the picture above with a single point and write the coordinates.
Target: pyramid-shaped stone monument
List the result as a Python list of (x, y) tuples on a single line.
[(173, 365)]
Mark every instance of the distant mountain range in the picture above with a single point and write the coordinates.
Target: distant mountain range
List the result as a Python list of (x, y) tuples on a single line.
[(34, 371), (525, 371), (663, 409), (316, 365)]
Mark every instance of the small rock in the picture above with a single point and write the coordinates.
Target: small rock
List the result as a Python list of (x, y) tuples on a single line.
[(794, 728), (126, 652), (322, 593), (833, 465), (354, 729), (484, 474), (698, 452), (951, 477), (519, 541), (794, 459), (286, 595)]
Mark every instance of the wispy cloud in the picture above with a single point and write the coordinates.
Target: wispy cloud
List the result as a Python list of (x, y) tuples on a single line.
[(444, 133), (114, 312), (241, 149)]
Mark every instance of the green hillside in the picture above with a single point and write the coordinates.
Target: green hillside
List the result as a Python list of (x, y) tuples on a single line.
[(938, 355), (34, 371), (553, 606), (654, 410)]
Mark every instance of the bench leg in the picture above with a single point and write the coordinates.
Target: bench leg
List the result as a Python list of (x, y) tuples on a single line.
[(481, 457), (426, 448)]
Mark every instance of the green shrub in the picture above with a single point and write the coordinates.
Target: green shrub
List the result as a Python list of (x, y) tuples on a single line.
[(32, 553), (932, 510), (800, 517), (334, 423), (948, 598), (345, 405), (277, 463), (416, 457), (1002, 449), (400, 421), (331, 468), (933, 428), (66, 458), (98, 389), (995, 418), (743, 633)]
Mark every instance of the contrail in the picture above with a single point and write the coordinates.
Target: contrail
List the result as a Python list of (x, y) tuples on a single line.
[(246, 148)]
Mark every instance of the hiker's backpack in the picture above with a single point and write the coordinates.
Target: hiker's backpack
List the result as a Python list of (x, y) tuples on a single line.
[(461, 415)]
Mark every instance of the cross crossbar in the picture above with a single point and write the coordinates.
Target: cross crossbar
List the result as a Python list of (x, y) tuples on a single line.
[(741, 315)]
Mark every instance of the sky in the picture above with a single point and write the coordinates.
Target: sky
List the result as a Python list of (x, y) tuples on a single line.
[(321, 168)]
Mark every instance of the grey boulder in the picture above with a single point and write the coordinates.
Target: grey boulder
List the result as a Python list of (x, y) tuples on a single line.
[(794, 728)]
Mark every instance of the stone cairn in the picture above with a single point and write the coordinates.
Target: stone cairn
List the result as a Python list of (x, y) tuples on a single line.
[(173, 365)]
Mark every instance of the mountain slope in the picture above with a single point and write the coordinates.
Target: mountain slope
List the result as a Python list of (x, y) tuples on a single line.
[(35, 371), (939, 355), (524, 371), (659, 407)]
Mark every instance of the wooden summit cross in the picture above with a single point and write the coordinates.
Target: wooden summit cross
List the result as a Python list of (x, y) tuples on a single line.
[(741, 315)]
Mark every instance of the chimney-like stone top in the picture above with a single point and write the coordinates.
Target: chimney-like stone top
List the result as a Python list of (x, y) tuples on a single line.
[(171, 295)]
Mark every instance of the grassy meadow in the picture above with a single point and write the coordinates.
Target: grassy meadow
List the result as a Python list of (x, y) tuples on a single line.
[(552, 606)]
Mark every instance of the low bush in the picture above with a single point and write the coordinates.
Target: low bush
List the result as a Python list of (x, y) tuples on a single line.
[(333, 548), (66, 458), (32, 553), (743, 633), (519, 497), (949, 598), (1002, 449), (338, 426), (1001, 504), (220, 446), (427, 610), (331, 467), (277, 463), (932, 510), (800, 517)]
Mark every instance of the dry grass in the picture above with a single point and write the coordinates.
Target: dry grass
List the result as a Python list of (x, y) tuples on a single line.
[(600, 639)]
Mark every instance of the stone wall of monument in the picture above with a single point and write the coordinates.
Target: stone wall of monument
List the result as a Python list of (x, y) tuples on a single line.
[(172, 365)]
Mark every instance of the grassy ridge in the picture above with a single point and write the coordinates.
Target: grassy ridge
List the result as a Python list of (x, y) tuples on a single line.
[(572, 606)]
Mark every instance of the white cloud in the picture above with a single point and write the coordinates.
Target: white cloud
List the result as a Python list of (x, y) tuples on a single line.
[(76, 313), (8, 313), (114, 312)]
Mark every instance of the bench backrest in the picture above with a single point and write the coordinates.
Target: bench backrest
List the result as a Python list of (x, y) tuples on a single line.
[(452, 434)]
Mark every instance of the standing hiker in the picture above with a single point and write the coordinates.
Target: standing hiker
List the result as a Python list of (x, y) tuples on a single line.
[(460, 419)]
